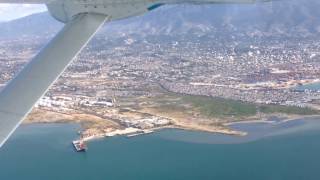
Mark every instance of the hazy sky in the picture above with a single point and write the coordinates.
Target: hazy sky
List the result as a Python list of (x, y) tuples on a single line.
[(9, 11)]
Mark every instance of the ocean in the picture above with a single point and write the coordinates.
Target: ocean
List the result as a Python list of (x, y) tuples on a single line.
[(278, 151)]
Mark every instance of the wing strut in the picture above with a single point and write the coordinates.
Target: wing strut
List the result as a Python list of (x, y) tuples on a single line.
[(21, 93)]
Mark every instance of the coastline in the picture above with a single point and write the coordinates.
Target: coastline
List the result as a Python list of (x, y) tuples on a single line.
[(219, 130), (254, 131), (280, 120), (171, 146), (90, 131)]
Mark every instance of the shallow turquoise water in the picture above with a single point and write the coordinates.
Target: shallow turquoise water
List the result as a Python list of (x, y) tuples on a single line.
[(44, 152), (314, 87)]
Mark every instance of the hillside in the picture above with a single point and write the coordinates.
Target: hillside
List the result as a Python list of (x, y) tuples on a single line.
[(294, 18)]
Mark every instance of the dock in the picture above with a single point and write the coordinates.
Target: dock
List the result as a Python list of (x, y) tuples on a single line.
[(144, 132)]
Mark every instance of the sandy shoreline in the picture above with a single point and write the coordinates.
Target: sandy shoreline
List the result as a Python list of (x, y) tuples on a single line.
[(95, 127), (218, 130), (280, 120)]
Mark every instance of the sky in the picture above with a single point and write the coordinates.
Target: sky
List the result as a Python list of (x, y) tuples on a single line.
[(9, 12)]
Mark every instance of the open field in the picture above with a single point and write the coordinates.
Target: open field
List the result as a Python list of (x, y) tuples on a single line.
[(216, 111)]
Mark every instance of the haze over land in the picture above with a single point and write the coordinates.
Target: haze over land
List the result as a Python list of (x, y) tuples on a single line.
[(294, 18), (14, 11)]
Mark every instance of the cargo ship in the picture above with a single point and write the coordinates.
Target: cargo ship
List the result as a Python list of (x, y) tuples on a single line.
[(79, 146)]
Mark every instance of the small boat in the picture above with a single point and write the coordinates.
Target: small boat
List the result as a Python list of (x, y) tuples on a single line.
[(79, 146)]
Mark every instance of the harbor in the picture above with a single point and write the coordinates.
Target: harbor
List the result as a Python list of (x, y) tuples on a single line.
[(80, 145)]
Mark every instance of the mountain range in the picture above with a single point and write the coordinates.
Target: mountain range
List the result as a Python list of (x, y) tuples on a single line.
[(287, 18)]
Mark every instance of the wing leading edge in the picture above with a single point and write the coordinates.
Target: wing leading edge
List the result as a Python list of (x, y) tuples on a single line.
[(21, 93)]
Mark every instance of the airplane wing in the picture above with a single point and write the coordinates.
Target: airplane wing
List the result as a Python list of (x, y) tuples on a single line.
[(21, 93)]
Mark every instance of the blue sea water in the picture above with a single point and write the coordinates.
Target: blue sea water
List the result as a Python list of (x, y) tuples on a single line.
[(314, 87), (281, 151)]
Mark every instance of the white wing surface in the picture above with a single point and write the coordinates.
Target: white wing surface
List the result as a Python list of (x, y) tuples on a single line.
[(21, 93)]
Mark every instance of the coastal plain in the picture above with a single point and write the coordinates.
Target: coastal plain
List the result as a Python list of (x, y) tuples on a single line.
[(195, 113)]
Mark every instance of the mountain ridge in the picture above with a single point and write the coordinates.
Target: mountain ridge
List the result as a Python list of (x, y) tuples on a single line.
[(293, 18)]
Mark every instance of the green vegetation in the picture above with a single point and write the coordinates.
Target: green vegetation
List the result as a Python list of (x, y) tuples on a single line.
[(220, 108), (171, 108), (287, 110)]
